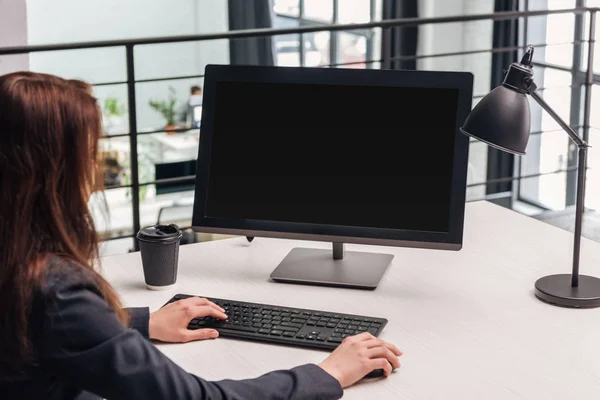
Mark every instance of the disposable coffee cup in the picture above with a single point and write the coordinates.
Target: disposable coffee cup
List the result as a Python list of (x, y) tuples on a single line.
[(159, 247)]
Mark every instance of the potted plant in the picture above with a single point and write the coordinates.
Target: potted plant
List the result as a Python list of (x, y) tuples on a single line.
[(112, 111), (167, 108)]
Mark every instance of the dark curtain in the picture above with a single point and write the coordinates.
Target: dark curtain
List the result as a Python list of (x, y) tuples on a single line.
[(506, 34), (397, 42), (251, 14)]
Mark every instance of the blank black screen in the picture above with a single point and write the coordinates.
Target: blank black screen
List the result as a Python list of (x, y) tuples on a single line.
[(366, 156)]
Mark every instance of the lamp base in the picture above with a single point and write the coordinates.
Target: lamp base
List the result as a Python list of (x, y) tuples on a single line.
[(557, 290)]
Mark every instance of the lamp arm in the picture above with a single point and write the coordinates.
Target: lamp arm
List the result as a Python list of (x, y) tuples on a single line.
[(572, 134)]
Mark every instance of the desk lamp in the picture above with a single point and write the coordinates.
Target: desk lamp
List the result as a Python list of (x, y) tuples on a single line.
[(502, 120)]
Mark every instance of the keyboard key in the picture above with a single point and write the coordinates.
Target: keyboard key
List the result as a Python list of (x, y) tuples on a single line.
[(311, 323), (298, 321), (300, 336), (311, 337), (288, 334), (335, 339), (372, 330), (264, 330), (298, 316), (321, 338), (336, 334), (276, 332), (330, 325), (235, 329), (286, 319), (321, 324), (286, 328), (291, 324)]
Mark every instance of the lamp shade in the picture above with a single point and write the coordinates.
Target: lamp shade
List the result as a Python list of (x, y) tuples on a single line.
[(501, 119)]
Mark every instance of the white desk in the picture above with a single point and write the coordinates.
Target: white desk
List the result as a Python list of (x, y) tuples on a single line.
[(467, 321)]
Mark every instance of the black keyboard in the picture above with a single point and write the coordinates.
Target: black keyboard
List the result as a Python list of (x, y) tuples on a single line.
[(285, 325)]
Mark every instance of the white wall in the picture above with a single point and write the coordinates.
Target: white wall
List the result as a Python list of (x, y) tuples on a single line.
[(456, 37), (63, 21), (13, 32)]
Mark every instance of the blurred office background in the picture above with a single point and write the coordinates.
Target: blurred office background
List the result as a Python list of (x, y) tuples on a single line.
[(540, 184)]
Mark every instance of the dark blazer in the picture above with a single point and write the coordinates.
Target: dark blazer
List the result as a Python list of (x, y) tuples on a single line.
[(84, 352)]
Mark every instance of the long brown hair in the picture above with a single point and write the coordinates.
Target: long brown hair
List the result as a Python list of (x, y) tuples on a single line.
[(49, 133)]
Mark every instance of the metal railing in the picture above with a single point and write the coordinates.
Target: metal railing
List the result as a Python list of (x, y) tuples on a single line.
[(131, 81)]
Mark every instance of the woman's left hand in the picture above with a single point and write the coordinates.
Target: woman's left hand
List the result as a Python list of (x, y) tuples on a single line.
[(169, 324)]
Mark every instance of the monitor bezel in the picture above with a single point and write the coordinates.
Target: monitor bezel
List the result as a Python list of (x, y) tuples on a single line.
[(451, 240)]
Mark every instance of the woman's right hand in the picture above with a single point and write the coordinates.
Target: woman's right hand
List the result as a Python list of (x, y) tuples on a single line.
[(358, 355)]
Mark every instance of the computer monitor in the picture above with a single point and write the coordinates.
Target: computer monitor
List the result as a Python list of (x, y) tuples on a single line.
[(338, 155)]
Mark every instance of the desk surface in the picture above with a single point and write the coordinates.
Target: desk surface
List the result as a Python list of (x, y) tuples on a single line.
[(467, 321)]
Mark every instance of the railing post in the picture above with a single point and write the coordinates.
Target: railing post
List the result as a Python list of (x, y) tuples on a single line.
[(133, 150)]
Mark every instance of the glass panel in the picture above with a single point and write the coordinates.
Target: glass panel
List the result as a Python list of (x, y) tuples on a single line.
[(165, 156), (356, 11), (179, 59), (477, 170), (319, 10), (115, 153), (316, 49), (592, 188), (352, 49), (548, 151), (480, 65), (595, 109), (167, 104), (113, 103), (174, 207), (114, 217), (287, 47), (591, 3), (91, 65), (552, 29), (117, 246), (287, 7), (551, 190)]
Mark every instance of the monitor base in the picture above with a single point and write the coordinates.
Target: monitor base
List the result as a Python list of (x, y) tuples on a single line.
[(355, 270)]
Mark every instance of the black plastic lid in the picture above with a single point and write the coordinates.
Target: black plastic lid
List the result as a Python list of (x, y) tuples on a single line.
[(160, 233)]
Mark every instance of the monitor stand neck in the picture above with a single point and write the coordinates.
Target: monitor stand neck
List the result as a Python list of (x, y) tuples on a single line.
[(338, 251), (350, 269)]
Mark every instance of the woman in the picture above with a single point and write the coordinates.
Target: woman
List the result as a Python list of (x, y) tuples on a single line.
[(63, 334)]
